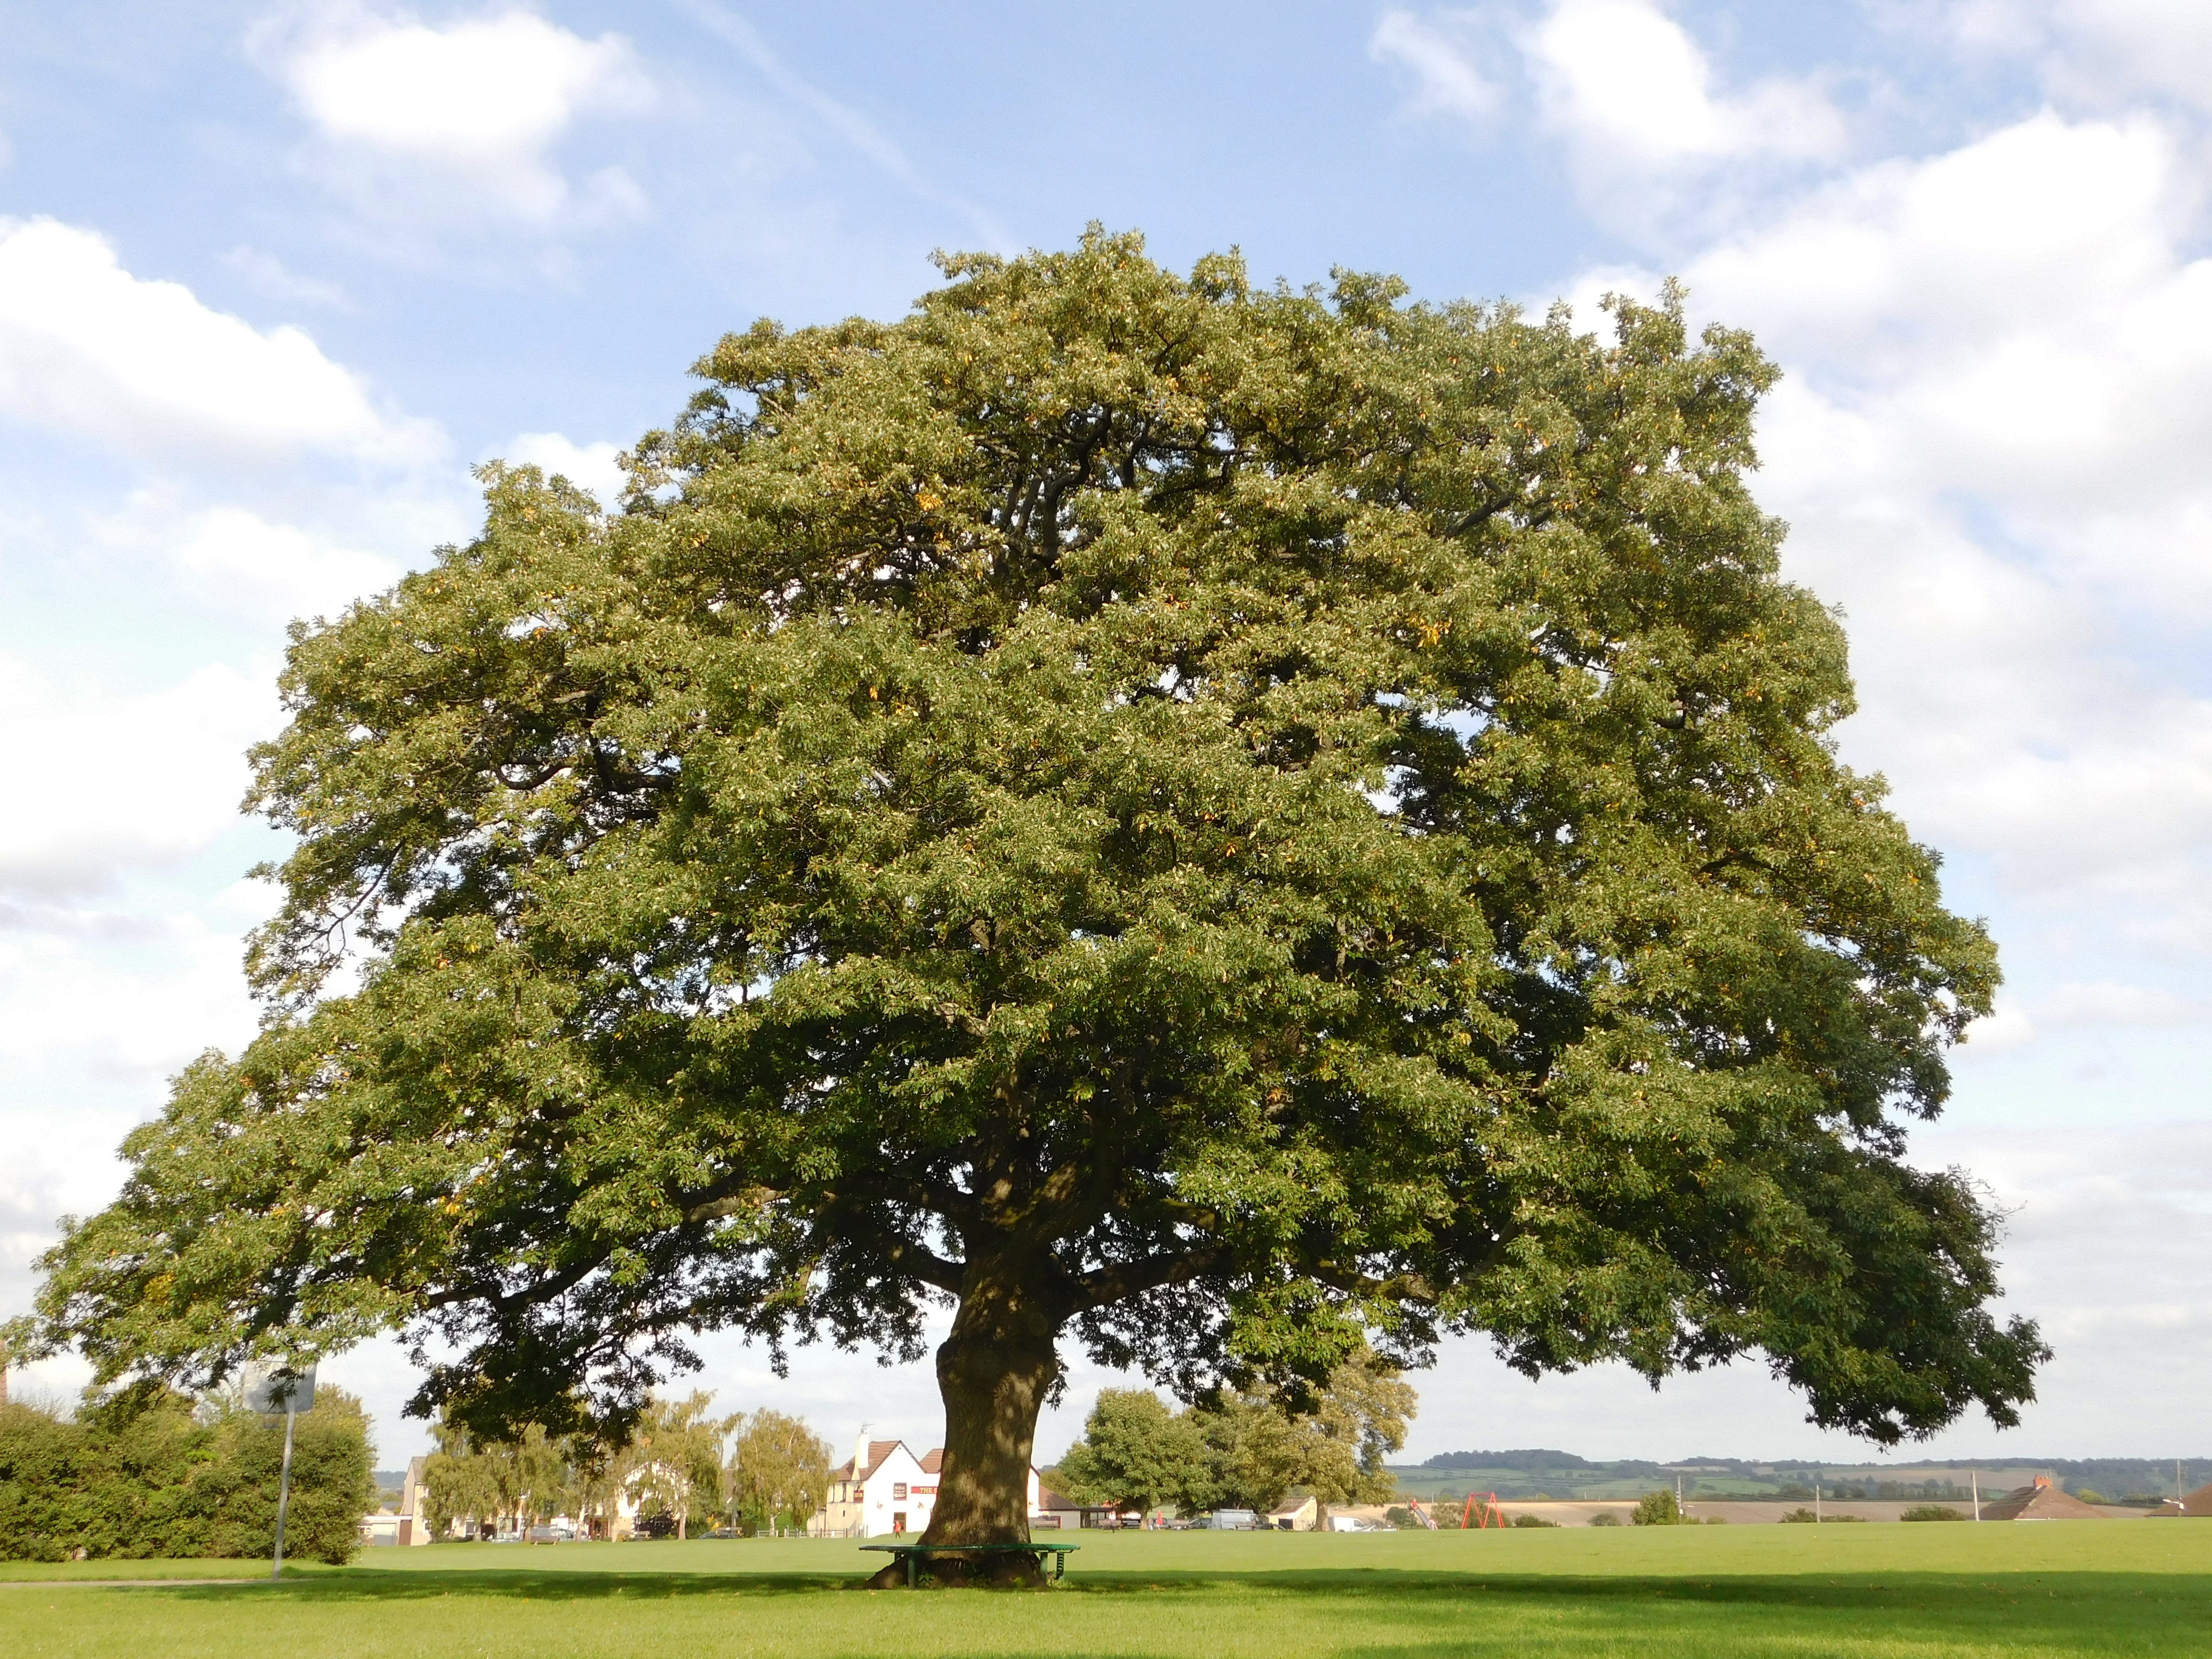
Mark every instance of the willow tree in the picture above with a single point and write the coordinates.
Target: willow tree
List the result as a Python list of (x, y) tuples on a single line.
[(1209, 825)]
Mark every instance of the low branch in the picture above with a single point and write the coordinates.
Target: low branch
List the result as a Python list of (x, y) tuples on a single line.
[(1124, 1279), (1399, 1287), (928, 1266), (751, 1198)]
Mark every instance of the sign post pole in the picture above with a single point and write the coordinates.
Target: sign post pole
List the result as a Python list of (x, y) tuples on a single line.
[(283, 1492), (270, 1390)]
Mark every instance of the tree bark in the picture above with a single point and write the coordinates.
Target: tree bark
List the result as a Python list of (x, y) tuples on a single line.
[(994, 1371)]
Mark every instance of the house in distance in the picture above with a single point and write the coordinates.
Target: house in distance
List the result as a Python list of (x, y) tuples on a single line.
[(884, 1489), (2041, 1502)]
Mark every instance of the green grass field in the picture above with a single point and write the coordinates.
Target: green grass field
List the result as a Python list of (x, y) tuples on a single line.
[(1871, 1592)]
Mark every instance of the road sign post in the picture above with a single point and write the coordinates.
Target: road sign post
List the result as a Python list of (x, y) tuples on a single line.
[(270, 1389)]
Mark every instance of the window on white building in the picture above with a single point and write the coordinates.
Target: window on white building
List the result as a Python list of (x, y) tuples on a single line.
[(898, 1490)]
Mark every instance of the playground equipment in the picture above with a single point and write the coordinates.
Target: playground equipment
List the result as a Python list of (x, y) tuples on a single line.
[(1482, 1511)]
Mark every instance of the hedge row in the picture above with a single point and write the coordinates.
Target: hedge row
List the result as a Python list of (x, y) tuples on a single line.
[(165, 1478)]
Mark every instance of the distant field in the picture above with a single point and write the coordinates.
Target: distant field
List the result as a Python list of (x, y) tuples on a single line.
[(1601, 1480), (1871, 1592)]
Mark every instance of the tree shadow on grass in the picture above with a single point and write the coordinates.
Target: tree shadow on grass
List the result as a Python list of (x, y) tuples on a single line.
[(1826, 1590), (387, 1584), (1379, 1613)]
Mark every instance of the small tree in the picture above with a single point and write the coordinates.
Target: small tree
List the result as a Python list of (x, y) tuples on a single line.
[(1657, 1509), (1135, 1450), (1262, 1445), (674, 1462), (501, 1482), (778, 1473), (459, 1482), (1359, 1419)]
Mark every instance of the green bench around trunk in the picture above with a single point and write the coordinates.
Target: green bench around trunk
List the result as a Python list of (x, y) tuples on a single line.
[(911, 1553)]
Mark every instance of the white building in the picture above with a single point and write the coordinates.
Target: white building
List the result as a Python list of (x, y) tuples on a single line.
[(884, 1489)]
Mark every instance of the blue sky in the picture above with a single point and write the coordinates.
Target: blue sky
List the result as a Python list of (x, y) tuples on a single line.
[(272, 277)]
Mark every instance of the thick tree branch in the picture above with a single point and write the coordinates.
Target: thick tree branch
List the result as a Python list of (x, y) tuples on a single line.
[(1124, 1279)]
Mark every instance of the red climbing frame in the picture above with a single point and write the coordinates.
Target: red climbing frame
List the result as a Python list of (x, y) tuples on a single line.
[(1482, 1511)]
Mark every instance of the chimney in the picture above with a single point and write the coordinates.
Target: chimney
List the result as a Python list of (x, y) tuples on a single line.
[(860, 1452)]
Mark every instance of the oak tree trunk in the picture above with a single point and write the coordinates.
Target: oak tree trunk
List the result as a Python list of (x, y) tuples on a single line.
[(994, 1371)]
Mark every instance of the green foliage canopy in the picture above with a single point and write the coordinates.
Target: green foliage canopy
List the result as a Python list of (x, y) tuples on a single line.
[(1211, 823)]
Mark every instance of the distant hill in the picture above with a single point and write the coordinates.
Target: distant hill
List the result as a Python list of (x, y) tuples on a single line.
[(1527, 1472)]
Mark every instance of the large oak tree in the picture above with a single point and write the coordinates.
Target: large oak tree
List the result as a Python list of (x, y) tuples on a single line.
[(1205, 823)]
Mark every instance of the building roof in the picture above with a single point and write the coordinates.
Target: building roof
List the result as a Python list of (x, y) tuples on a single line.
[(2196, 1503), (877, 1450), (2040, 1502), (933, 1462)]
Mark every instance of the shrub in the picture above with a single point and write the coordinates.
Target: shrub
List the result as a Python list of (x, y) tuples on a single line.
[(1533, 1521), (1930, 1512), (147, 1475), (1657, 1509), (2090, 1495), (1806, 1516), (1605, 1519)]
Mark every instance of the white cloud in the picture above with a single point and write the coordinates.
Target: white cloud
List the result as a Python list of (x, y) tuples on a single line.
[(461, 118), (1627, 85), (145, 1015), (2107, 50), (1990, 447), (127, 782), (1649, 134), (589, 466), (2004, 1028), (234, 561), (86, 347), (1439, 52)]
